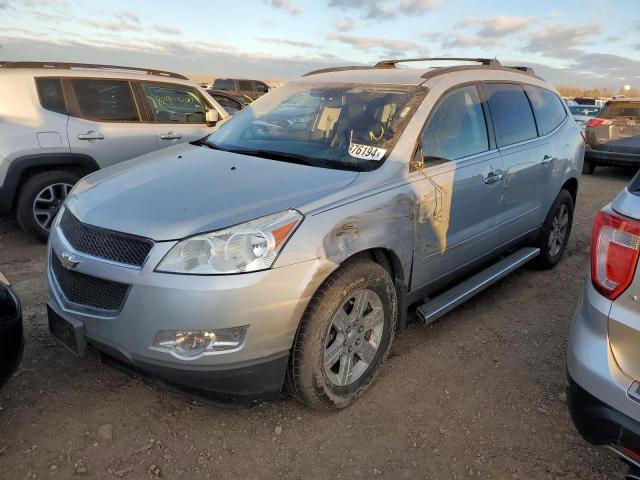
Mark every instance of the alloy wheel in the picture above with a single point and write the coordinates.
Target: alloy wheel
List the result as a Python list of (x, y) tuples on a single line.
[(558, 232), (48, 202), (353, 338)]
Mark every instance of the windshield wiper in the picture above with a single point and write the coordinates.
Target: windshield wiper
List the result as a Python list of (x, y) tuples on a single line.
[(275, 155), (202, 143)]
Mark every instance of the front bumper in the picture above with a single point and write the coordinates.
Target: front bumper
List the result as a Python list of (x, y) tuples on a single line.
[(602, 410), (270, 302)]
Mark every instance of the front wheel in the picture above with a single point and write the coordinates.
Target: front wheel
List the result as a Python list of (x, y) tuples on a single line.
[(554, 236), (40, 199), (344, 337)]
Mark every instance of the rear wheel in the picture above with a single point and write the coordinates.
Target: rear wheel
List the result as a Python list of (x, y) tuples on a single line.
[(40, 199), (554, 236), (588, 167), (344, 337)]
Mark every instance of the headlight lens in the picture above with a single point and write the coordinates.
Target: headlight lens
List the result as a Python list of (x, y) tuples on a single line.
[(247, 247), (191, 343)]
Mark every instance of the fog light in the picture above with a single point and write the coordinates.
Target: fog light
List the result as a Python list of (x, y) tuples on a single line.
[(190, 343)]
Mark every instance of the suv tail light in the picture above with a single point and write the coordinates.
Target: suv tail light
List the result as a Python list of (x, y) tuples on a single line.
[(598, 122), (615, 245)]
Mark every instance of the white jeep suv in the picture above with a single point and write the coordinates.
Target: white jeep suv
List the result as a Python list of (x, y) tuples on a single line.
[(63, 121)]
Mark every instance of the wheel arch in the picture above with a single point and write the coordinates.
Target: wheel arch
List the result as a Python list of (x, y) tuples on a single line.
[(571, 186), (24, 167)]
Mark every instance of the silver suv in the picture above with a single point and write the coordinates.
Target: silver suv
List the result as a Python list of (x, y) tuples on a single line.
[(287, 246), (603, 359), (62, 121)]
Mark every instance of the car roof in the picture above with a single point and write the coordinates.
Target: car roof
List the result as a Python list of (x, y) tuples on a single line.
[(63, 69)]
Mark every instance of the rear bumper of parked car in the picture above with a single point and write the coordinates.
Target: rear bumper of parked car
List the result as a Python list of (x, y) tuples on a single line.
[(612, 158), (600, 407), (269, 302)]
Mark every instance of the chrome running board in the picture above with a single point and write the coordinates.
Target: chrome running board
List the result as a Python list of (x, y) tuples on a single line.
[(436, 307)]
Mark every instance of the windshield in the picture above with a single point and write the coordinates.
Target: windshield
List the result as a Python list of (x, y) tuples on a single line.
[(582, 110), (621, 109), (345, 126)]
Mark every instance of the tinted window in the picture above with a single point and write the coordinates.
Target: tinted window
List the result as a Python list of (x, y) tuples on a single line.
[(511, 113), (172, 103), (105, 99), (456, 129), (245, 85), (621, 109), (50, 93), (548, 107), (224, 84), (261, 87), (227, 102)]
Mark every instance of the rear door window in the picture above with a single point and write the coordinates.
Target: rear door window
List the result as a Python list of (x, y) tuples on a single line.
[(456, 129), (105, 100), (50, 93), (224, 84), (550, 112), (245, 85), (174, 103), (511, 113)]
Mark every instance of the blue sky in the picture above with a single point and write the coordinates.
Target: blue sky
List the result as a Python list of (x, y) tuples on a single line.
[(586, 43)]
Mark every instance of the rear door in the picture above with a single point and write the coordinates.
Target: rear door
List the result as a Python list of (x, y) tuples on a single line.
[(522, 185), (458, 187), (245, 87), (617, 128), (177, 112), (105, 120)]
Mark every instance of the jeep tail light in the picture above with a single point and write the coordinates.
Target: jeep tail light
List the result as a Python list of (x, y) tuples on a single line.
[(615, 245), (598, 122)]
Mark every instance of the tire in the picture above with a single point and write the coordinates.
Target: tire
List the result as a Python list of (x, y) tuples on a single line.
[(327, 387), (588, 167), (550, 254), (59, 182)]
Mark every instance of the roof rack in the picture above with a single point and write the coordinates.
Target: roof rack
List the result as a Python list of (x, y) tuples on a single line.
[(69, 66), (392, 63)]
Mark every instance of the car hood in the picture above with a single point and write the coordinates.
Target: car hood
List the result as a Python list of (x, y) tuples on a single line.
[(186, 189)]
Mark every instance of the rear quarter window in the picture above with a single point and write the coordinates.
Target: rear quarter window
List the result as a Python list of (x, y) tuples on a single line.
[(550, 112), (50, 93), (224, 84), (511, 113)]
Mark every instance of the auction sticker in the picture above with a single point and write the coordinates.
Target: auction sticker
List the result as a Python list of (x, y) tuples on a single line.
[(366, 152)]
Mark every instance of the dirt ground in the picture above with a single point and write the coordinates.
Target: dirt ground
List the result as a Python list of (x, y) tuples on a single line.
[(479, 394)]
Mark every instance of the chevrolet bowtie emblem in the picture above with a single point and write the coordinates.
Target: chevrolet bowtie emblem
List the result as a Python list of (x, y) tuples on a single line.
[(69, 261)]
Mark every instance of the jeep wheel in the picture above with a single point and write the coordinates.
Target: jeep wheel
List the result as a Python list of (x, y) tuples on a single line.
[(344, 337), (40, 199), (554, 236)]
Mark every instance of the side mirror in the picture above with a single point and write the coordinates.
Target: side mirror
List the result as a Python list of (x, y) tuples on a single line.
[(212, 117)]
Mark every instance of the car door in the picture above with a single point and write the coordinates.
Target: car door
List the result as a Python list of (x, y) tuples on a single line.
[(554, 141), (178, 112), (457, 186), (105, 121), (522, 184)]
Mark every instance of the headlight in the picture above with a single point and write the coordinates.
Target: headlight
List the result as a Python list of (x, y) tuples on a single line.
[(247, 247)]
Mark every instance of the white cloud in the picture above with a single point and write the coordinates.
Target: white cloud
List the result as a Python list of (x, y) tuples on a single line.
[(285, 5), (386, 46), (498, 26)]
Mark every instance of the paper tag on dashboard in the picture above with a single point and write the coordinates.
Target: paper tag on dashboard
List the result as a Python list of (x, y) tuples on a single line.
[(366, 152)]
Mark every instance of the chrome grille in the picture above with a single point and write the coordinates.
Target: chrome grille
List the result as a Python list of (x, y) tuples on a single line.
[(102, 243), (88, 291)]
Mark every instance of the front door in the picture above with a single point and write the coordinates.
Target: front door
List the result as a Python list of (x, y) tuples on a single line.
[(457, 189), (177, 112), (105, 121)]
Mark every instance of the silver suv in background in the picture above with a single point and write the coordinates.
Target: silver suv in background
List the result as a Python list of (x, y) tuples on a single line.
[(303, 227), (603, 356), (62, 121)]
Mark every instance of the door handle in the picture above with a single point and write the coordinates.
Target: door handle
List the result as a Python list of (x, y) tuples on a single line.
[(90, 136), (547, 159), (493, 177), (171, 136)]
